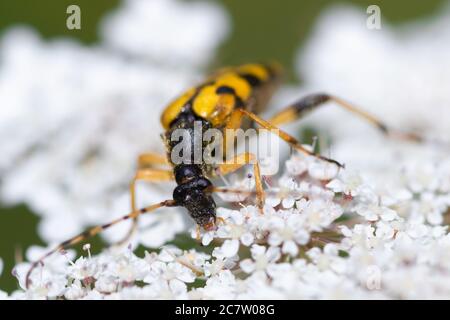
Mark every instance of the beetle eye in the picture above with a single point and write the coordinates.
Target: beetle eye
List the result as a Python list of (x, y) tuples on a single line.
[(180, 194), (203, 183)]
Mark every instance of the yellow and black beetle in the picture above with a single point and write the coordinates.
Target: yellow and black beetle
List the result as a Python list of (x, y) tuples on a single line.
[(231, 98)]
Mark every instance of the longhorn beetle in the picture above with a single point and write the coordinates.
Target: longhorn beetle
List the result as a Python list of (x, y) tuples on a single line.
[(231, 98)]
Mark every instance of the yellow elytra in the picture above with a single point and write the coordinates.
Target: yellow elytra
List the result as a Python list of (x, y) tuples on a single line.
[(248, 86)]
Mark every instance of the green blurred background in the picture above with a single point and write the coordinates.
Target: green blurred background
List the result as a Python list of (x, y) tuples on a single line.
[(262, 30)]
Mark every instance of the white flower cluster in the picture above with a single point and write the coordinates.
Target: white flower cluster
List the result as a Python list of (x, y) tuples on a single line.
[(73, 119), (333, 236)]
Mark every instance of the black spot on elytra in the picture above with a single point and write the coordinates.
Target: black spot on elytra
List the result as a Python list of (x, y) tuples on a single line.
[(225, 89), (251, 79)]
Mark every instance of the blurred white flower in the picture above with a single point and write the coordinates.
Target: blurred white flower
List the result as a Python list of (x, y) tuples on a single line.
[(399, 74), (148, 29), (74, 118)]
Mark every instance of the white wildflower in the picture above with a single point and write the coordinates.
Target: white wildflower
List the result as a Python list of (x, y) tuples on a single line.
[(262, 258), (92, 102), (288, 233)]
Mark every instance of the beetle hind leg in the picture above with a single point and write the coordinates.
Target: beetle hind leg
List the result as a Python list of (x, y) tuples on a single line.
[(309, 103)]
